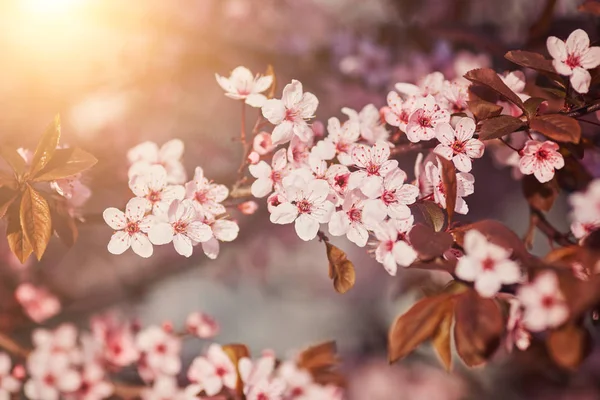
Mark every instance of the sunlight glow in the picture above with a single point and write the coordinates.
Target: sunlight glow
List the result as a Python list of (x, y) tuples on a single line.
[(50, 7)]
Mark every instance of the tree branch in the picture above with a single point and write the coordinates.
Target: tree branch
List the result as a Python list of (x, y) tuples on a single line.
[(549, 230), (410, 147), (585, 110)]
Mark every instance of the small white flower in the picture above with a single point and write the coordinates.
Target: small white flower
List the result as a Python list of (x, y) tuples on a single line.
[(423, 120), (269, 177), (349, 220), (131, 228), (242, 85), (207, 196), (458, 144), (373, 165), (393, 198), (152, 186), (169, 156), (465, 186), (393, 248), (543, 302)]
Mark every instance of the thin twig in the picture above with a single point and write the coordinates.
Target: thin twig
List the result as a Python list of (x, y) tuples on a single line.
[(509, 145), (549, 230), (410, 147), (12, 347), (585, 110)]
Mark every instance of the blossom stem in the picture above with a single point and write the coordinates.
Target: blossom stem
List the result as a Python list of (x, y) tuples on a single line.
[(409, 147), (549, 230), (12, 347), (585, 110), (322, 236), (509, 145)]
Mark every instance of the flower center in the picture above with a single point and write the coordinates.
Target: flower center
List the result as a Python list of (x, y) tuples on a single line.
[(388, 197), (458, 147), (354, 215), (548, 301), (304, 206), (154, 196), (275, 201), (220, 371), (573, 61), (341, 181), (342, 147), (291, 115), (542, 155), (372, 169), (425, 121), (161, 348), (201, 196), (389, 245), (262, 396), (49, 380), (180, 227), (132, 227), (276, 176), (488, 264), (403, 117)]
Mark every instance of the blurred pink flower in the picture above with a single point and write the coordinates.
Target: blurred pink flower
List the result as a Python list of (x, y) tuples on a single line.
[(38, 302), (202, 325)]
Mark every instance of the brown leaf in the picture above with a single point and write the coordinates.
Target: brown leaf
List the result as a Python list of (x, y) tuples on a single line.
[(530, 60), (16, 239), (568, 345), (488, 77), (417, 325), (341, 270), (557, 127), (448, 172), (14, 160), (7, 198), (46, 147), (532, 106), (8, 180), (434, 216), (441, 339), (36, 222), (540, 196), (482, 109), (64, 226), (321, 360), (66, 163), (427, 243), (235, 352), (497, 127), (590, 6), (573, 176), (478, 328)]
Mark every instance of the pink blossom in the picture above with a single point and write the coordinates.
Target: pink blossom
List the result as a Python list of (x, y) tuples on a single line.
[(242, 85), (298, 382), (50, 376), (152, 186), (166, 388), (373, 165), (430, 85), (38, 302), (423, 120), (306, 204), (393, 198), (94, 385), (214, 371), (541, 159), (169, 156), (207, 196), (290, 113), (248, 207), (299, 152), (202, 325), (456, 94), (369, 122), (543, 303), (253, 158), (349, 221), (160, 350), (399, 110), (340, 141), (574, 57), (222, 230), (131, 228), (184, 228), (515, 80), (393, 248), (262, 143), (458, 145), (486, 264), (117, 340), (586, 209), (269, 177), (465, 186), (516, 336), (9, 384), (338, 176), (74, 191), (259, 384)]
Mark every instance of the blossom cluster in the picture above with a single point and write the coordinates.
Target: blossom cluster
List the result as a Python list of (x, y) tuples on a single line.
[(586, 210), (168, 209), (69, 364)]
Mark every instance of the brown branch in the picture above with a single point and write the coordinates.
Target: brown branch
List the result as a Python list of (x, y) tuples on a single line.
[(410, 147), (585, 110), (13, 347), (549, 230)]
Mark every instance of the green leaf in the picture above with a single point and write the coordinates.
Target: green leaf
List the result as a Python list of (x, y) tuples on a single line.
[(66, 163), (489, 78), (531, 60), (482, 109), (531, 106), (46, 147), (497, 127), (557, 127), (36, 222), (14, 160)]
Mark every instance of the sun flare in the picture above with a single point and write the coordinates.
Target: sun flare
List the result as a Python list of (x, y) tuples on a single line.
[(50, 7)]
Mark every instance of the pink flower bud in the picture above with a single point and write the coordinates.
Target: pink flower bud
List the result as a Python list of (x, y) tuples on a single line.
[(248, 207), (262, 143), (318, 129), (19, 372), (167, 326), (202, 325), (38, 303), (253, 157)]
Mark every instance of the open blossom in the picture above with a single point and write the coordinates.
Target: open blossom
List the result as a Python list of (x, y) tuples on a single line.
[(259, 384), (456, 95), (486, 264), (373, 165), (516, 335), (290, 113), (184, 228), (430, 85), (541, 159), (369, 122), (399, 110), (116, 339), (543, 303), (50, 376), (574, 57), (160, 350), (269, 177), (307, 204), (201, 325), (458, 144), (426, 116), (214, 371), (94, 385), (38, 302), (207, 196), (152, 186), (242, 85), (299, 152), (465, 186), (223, 230), (340, 141), (131, 228), (393, 248), (586, 210), (169, 156), (8, 383), (166, 388), (338, 176), (515, 80), (393, 198), (349, 220), (74, 191)]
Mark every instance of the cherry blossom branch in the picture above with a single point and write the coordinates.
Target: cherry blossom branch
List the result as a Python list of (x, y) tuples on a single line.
[(13, 347), (585, 110), (410, 147), (509, 145), (549, 230), (127, 391)]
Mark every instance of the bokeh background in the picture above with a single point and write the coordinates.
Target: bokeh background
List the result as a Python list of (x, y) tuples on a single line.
[(122, 72)]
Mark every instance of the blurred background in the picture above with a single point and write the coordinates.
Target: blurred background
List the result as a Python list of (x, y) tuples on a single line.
[(122, 72)]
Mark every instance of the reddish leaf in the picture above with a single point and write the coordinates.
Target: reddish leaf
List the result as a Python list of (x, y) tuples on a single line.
[(46, 147), (428, 243), (417, 325), (557, 127), (64, 226), (532, 106), (321, 360), (568, 345), (530, 60), (7, 180), (540, 196), (434, 216), (35, 220), (448, 172), (441, 339), (590, 6), (341, 270), (478, 328), (573, 176), (488, 77), (497, 127), (482, 109), (437, 264)]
